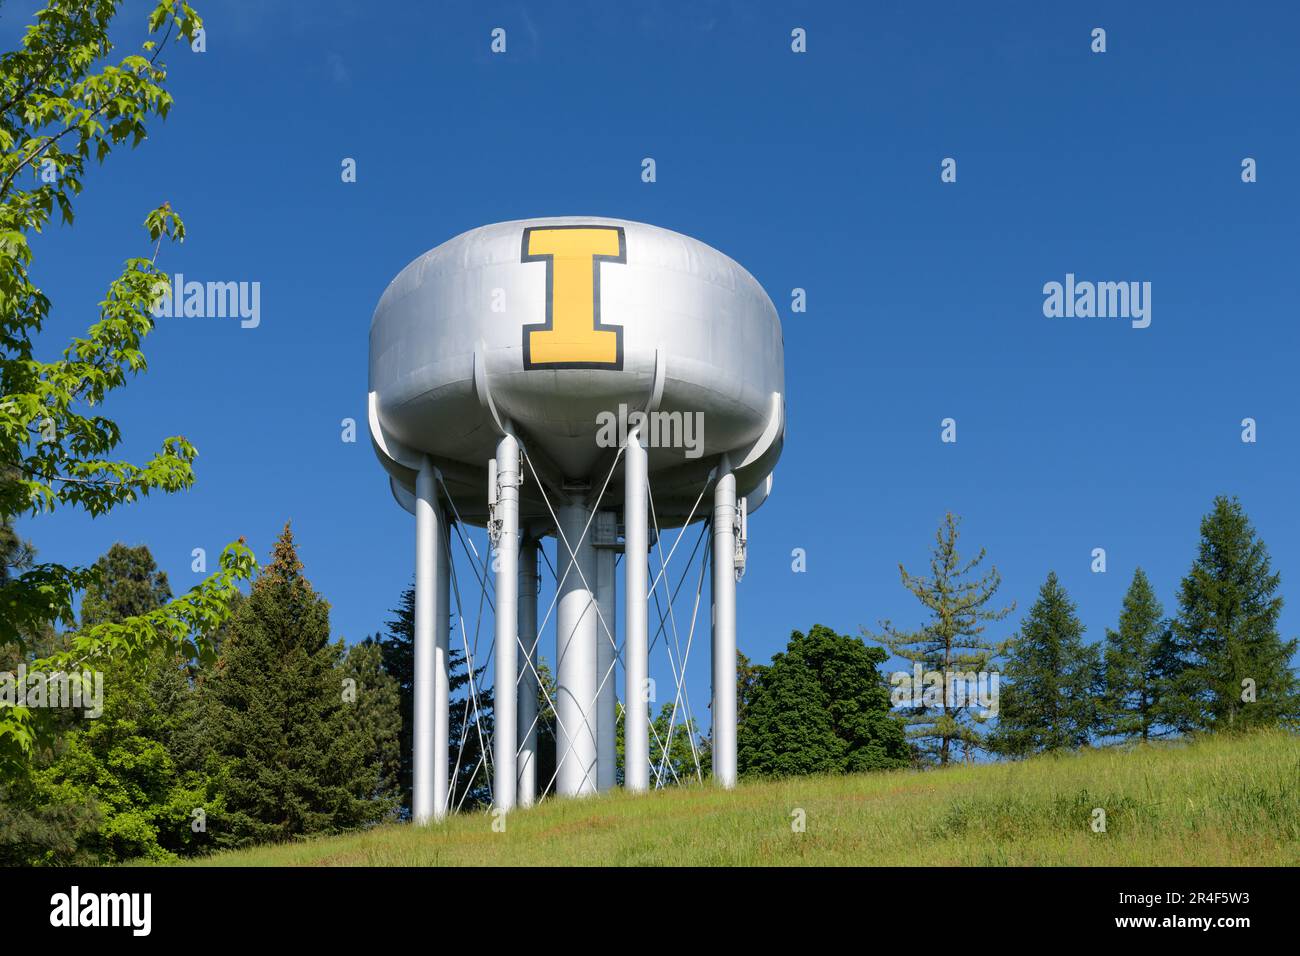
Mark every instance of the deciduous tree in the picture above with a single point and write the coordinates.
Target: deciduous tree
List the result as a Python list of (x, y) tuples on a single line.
[(63, 105), (822, 706)]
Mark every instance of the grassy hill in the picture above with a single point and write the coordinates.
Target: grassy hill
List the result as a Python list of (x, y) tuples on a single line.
[(1215, 801)]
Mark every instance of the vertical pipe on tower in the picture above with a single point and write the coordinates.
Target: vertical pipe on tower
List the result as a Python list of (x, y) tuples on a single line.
[(636, 730), (526, 793), (429, 743), (505, 735), (575, 655), (606, 699), (441, 678), (724, 626)]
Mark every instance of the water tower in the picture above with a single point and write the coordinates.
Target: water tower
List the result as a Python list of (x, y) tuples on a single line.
[(598, 381)]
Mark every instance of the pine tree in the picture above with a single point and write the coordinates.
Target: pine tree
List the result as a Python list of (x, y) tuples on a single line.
[(45, 825), (469, 727), (15, 553), (951, 643), (822, 706), (1054, 679), (286, 750), (1136, 665), (128, 583), (1235, 668)]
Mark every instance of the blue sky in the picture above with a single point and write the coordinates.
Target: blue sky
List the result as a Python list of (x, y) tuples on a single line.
[(818, 171)]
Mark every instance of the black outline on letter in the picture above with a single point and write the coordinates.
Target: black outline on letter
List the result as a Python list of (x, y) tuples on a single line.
[(596, 260)]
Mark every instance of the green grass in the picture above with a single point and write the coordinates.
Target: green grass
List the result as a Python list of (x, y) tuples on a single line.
[(1216, 801)]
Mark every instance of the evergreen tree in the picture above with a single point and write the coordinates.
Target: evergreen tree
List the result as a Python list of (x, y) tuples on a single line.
[(821, 707), (120, 758), (15, 553), (39, 824), (1136, 665), (44, 825), (127, 583), (469, 728), (16, 557), (397, 645), (1053, 677), (1234, 667), (376, 711), (174, 686), (287, 753), (950, 643), (179, 688), (547, 691)]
